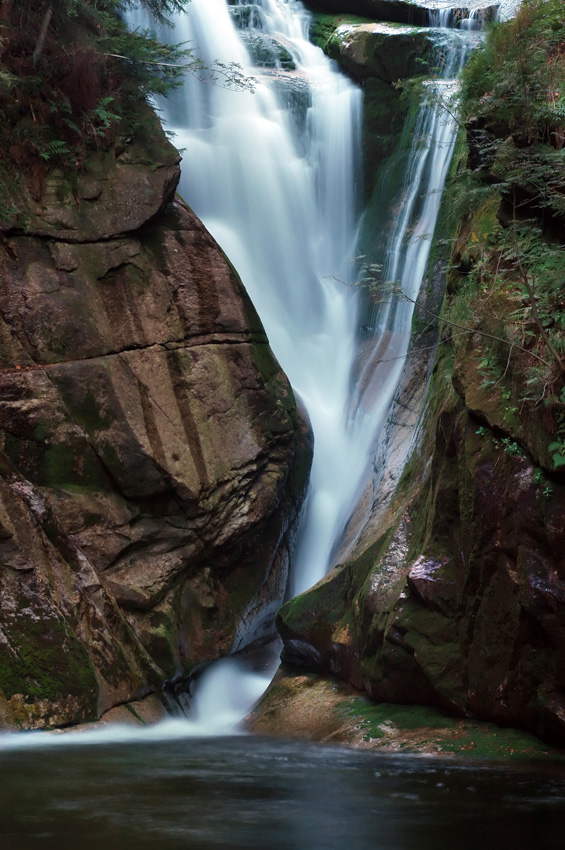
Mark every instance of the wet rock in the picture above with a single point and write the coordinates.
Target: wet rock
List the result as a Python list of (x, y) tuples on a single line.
[(115, 192), (152, 459), (385, 51), (268, 52), (323, 708), (459, 602)]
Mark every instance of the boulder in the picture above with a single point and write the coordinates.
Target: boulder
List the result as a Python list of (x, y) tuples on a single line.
[(113, 192), (456, 597), (388, 52), (152, 458)]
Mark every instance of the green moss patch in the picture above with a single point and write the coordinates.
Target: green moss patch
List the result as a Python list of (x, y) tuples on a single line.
[(323, 27), (46, 661), (417, 728)]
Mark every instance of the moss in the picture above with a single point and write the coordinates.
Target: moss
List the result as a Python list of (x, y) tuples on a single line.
[(323, 27), (45, 660), (385, 168), (404, 717), (468, 738), (57, 465), (160, 638), (318, 611), (277, 387), (62, 465), (485, 740), (87, 413)]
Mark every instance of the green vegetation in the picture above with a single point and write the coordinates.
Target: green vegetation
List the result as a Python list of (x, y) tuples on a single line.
[(516, 82), (510, 254), (73, 79), (45, 660), (417, 726)]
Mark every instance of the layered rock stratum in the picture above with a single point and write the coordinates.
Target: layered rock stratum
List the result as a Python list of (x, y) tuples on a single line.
[(152, 461)]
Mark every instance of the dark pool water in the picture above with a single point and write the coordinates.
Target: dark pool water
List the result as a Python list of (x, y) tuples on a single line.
[(244, 792)]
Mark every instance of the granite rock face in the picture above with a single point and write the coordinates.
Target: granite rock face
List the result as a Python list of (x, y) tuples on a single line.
[(458, 602), (455, 597), (152, 461)]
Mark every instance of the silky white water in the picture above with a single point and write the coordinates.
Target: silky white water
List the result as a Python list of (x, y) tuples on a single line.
[(226, 693), (406, 256), (277, 187)]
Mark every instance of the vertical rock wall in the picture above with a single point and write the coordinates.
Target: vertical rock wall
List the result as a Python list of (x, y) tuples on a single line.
[(152, 461)]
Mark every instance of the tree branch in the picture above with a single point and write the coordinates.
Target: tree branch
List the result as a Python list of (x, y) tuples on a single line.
[(42, 35)]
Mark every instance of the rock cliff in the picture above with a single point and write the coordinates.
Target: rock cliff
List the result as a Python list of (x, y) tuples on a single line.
[(456, 597), (152, 461)]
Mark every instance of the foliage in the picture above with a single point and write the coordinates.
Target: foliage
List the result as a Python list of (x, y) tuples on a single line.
[(74, 78), (513, 98), (516, 82), (512, 202)]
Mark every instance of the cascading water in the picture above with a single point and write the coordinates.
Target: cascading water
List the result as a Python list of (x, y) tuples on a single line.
[(402, 267), (277, 190), (276, 187)]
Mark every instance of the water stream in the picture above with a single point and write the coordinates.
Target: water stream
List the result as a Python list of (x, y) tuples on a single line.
[(273, 174), (251, 794)]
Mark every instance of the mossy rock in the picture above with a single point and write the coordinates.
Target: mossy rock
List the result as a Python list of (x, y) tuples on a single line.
[(321, 708)]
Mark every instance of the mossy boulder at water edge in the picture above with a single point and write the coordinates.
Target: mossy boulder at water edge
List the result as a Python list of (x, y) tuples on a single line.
[(318, 707), (152, 458), (389, 52)]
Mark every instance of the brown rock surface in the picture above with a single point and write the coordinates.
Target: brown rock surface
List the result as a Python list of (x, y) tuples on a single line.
[(151, 457), (322, 708), (457, 600)]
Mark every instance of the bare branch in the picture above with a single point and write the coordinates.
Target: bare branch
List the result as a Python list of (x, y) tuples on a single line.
[(42, 35)]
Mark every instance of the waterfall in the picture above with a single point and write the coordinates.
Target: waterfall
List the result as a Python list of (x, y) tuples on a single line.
[(276, 186), (507, 9), (273, 174), (405, 258)]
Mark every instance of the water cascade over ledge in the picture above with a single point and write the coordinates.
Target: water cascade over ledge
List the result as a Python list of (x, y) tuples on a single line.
[(273, 176)]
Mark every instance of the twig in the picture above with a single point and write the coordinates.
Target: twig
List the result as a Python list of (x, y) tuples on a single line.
[(42, 35), (475, 330)]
